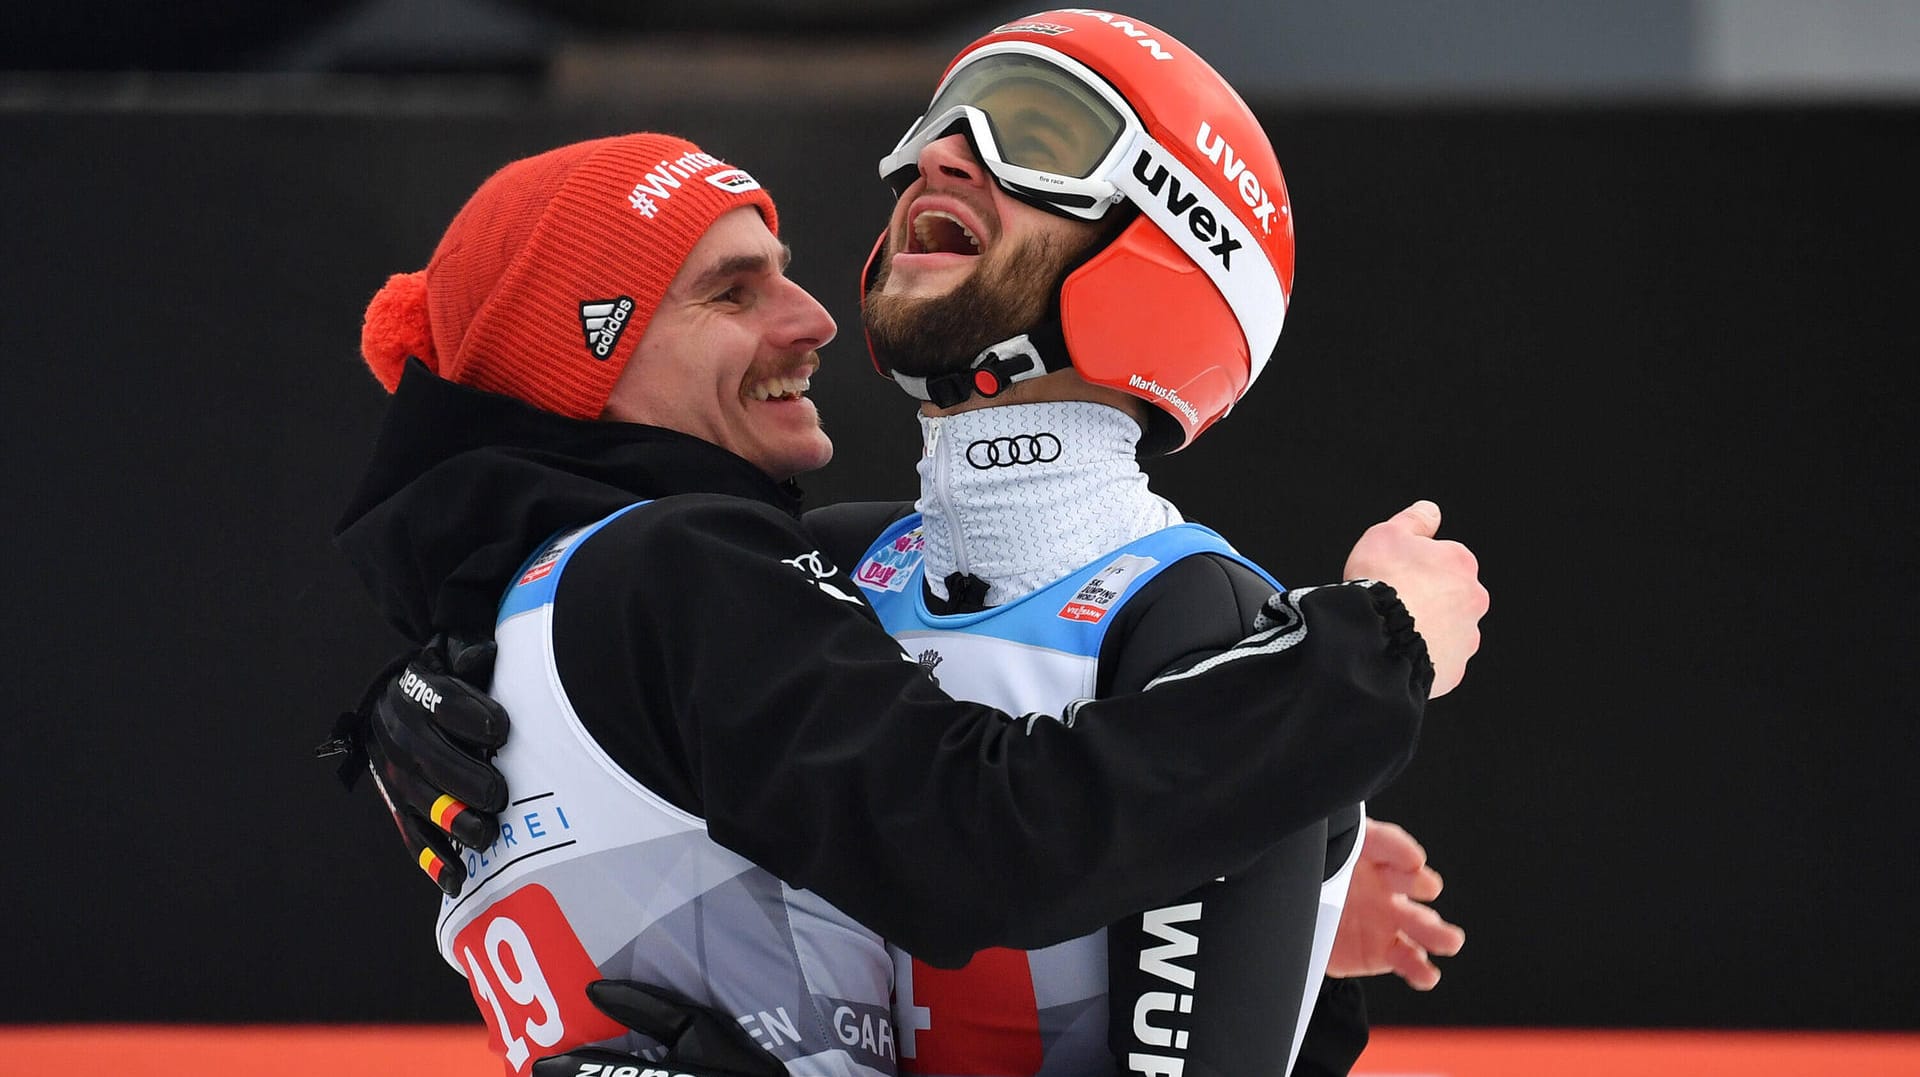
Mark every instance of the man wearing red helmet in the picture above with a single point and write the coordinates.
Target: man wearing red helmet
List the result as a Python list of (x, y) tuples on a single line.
[(1113, 606), (1089, 259), (1079, 114)]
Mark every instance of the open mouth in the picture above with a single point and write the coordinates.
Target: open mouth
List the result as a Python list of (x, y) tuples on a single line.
[(936, 231), (785, 387)]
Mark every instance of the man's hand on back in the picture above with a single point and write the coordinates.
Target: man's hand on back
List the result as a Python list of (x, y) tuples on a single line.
[(426, 729)]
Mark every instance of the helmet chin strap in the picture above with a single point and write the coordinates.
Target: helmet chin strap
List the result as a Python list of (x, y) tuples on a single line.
[(1036, 353)]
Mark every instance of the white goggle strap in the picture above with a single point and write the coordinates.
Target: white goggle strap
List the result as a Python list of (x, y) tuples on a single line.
[(1190, 213), (915, 387)]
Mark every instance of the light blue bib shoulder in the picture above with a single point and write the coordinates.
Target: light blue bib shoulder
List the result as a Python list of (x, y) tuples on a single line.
[(533, 586), (1072, 614)]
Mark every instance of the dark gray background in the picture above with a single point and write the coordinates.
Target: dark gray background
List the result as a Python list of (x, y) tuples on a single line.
[(1656, 361)]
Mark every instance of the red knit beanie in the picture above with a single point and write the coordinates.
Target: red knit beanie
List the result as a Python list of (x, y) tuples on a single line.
[(547, 277)]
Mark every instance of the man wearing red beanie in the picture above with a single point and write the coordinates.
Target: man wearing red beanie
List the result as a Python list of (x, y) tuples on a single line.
[(728, 783)]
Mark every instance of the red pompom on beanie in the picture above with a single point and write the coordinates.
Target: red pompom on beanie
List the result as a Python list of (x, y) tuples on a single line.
[(547, 277)]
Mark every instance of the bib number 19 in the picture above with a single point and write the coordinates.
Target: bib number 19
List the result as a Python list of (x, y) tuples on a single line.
[(529, 973)]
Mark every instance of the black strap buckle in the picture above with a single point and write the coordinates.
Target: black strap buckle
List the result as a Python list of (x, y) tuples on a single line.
[(989, 378)]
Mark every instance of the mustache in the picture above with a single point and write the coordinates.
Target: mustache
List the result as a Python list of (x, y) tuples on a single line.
[(798, 365)]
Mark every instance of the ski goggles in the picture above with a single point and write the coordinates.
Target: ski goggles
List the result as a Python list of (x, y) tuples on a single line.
[(1049, 130)]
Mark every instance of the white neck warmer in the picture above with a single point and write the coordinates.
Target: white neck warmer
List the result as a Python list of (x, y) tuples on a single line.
[(1021, 494)]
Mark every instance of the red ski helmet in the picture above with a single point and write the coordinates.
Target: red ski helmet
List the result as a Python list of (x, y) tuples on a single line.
[(1075, 111)]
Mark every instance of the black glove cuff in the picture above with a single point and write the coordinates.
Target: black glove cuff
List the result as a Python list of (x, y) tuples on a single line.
[(349, 736)]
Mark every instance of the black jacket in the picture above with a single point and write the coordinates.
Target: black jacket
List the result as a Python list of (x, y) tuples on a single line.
[(709, 647)]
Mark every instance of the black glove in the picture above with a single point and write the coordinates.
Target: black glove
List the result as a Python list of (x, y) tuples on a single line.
[(700, 1042), (426, 728)]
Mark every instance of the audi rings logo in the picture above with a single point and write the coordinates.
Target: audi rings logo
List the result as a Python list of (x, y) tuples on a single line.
[(1008, 452)]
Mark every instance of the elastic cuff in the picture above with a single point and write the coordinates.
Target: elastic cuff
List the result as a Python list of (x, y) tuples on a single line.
[(1403, 638)]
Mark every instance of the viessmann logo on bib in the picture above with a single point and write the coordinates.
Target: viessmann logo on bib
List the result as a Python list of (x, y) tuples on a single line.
[(1097, 597), (542, 565)]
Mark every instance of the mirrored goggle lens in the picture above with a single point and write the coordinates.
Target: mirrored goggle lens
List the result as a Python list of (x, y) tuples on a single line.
[(1042, 118)]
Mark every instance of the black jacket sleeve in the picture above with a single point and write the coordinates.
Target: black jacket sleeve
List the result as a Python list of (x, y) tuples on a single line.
[(704, 646)]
